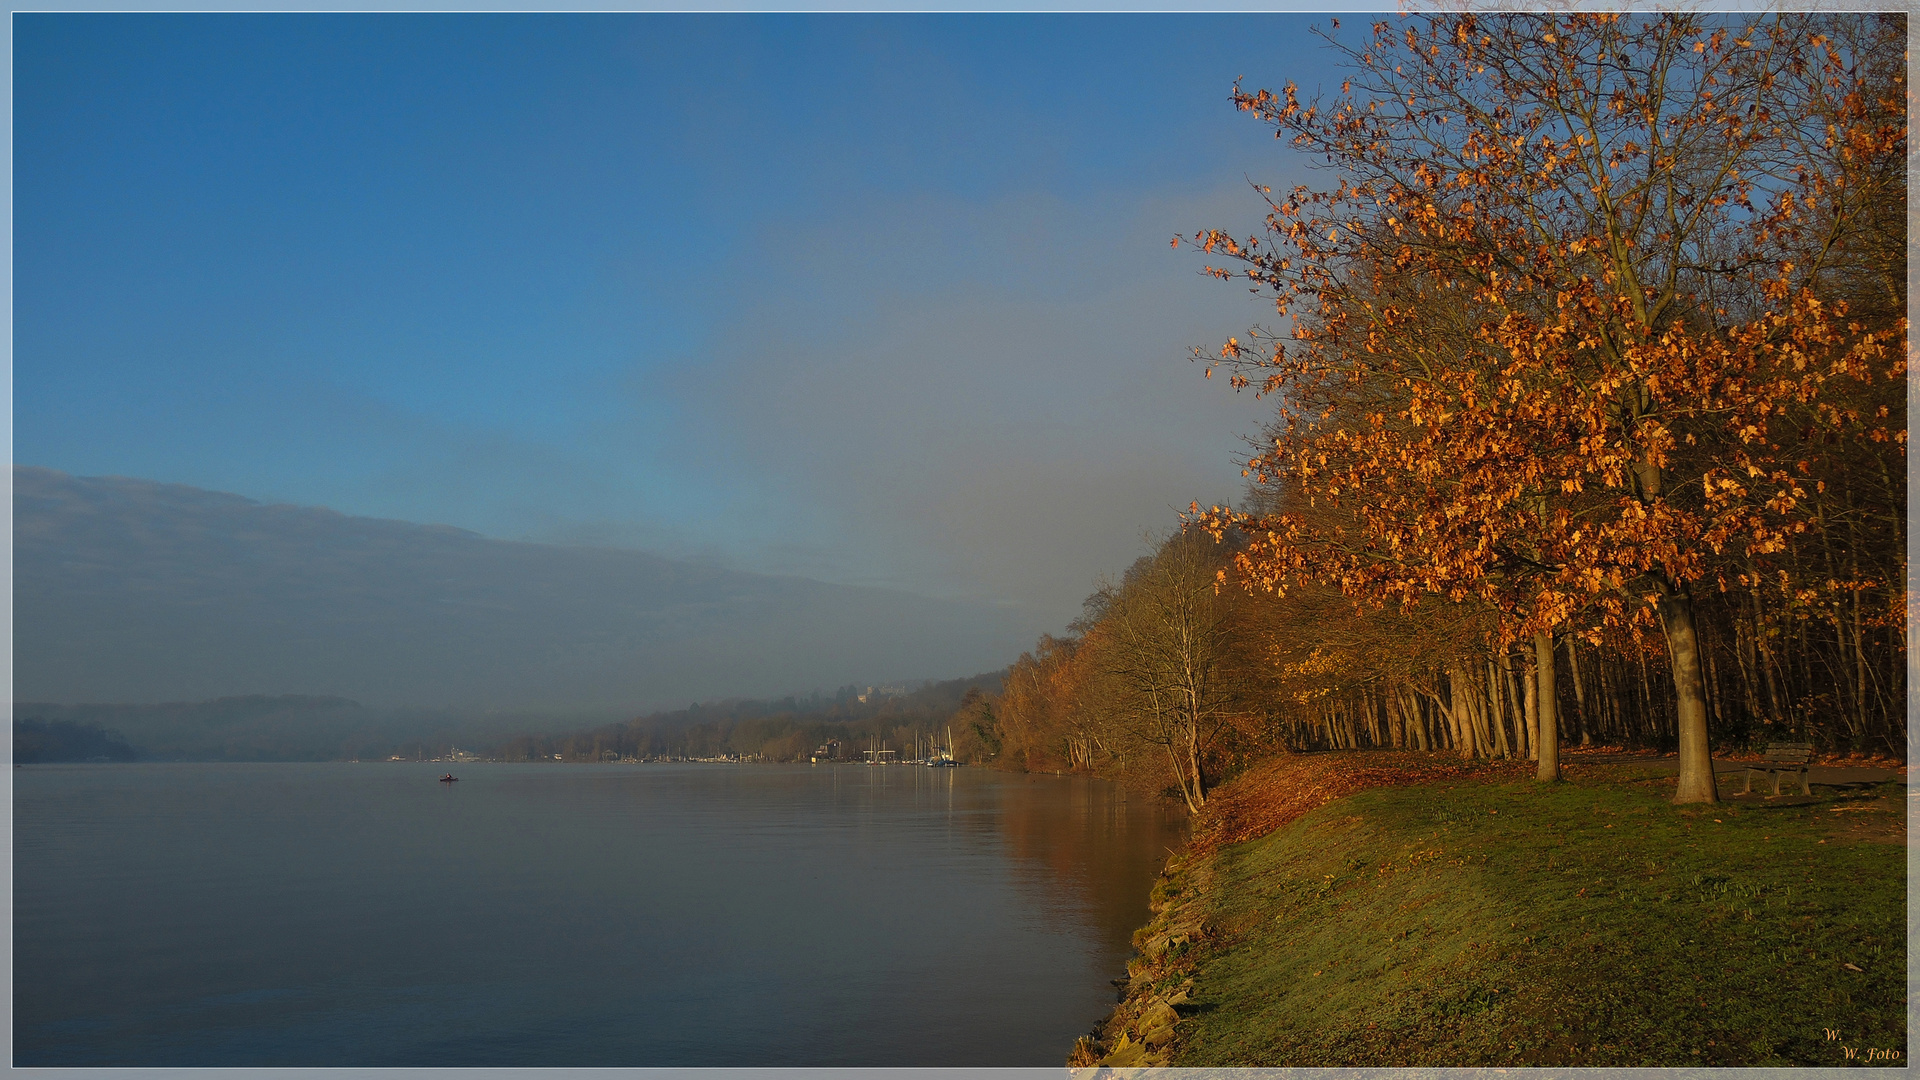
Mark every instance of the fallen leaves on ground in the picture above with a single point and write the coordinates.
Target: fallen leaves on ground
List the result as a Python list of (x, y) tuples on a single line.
[(1276, 792)]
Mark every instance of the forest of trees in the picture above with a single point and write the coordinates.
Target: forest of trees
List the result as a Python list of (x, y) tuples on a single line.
[(1590, 418), (789, 729), (36, 740)]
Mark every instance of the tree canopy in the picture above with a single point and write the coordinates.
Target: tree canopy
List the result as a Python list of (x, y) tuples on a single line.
[(1571, 332)]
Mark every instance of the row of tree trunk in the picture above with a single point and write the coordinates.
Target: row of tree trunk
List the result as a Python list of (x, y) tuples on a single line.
[(1830, 673)]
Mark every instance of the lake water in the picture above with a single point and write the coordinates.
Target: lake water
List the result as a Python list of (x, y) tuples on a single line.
[(362, 914)]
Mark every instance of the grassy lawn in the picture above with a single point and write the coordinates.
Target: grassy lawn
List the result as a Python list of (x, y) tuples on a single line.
[(1589, 923)]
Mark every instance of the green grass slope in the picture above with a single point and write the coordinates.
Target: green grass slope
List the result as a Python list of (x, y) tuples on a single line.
[(1588, 923)]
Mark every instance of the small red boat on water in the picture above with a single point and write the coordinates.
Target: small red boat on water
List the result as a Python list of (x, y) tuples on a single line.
[(448, 779)]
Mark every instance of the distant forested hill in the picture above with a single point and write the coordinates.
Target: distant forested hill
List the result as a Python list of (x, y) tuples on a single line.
[(283, 728), (787, 729), (309, 728), (256, 728), (63, 740)]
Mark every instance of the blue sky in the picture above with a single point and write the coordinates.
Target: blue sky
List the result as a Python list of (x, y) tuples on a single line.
[(881, 300)]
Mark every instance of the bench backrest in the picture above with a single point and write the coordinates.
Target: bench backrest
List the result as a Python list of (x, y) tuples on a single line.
[(1789, 753)]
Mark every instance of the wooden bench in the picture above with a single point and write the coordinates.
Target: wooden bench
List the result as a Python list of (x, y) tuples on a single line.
[(1782, 757)]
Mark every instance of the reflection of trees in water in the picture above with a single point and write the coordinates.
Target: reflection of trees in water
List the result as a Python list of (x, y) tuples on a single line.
[(1088, 846), (1080, 849)]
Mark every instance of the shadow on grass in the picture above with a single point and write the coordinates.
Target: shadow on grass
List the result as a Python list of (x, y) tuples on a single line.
[(1588, 923)]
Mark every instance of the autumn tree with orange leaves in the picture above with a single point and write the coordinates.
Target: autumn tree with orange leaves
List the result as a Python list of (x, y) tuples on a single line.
[(1167, 651), (1565, 335)]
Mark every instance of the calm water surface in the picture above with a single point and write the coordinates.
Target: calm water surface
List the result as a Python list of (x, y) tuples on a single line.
[(345, 914)]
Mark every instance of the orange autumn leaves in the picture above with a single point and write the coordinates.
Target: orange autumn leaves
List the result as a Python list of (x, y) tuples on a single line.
[(1517, 483), (1278, 792), (1558, 335)]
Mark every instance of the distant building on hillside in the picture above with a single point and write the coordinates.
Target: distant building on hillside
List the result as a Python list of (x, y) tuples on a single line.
[(875, 693)]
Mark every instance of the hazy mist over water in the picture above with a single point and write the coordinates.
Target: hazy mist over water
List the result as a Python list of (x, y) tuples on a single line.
[(130, 591), (339, 914)]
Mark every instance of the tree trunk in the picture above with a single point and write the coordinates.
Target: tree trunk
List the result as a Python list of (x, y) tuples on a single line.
[(1579, 690), (1180, 774), (1690, 709), (1458, 711), (1616, 706), (1547, 704), (1769, 671), (1199, 775), (1716, 699), (1496, 714), (1530, 705)]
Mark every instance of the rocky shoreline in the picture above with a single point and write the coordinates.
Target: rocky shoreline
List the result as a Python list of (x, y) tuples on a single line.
[(1143, 1028)]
